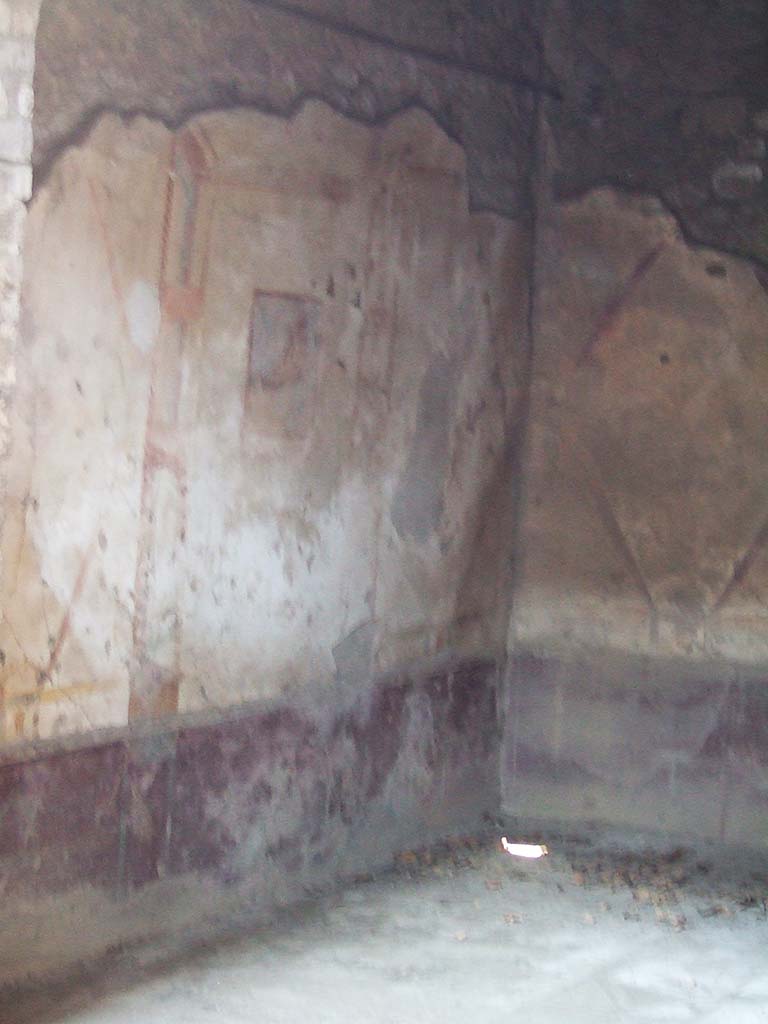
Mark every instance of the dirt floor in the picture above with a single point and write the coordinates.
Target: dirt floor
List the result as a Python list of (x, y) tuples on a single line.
[(600, 930)]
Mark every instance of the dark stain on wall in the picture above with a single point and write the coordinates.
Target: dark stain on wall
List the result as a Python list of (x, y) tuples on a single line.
[(174, 58), (418, 502), (666, 99)]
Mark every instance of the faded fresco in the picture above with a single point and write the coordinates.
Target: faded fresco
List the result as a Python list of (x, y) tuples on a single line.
[(267, 389), (645, 522)]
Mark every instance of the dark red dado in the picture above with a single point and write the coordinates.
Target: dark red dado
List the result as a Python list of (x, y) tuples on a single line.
[(643, 742), (287, 796)]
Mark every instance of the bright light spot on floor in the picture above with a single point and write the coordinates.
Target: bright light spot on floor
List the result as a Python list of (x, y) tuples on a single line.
[(523, 850)]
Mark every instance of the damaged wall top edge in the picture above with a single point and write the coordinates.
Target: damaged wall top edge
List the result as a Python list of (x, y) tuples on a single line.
[(173, 59), (649, 98)]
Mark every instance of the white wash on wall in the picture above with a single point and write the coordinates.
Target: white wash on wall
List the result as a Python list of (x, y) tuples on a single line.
[(261, 439)]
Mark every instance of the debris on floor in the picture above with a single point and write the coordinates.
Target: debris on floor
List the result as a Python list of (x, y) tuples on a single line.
[(592, 933)]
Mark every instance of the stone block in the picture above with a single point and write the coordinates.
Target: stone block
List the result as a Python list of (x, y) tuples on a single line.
[(15, 139), (25, 100), (15, 180), (24, 17), (16, 54), (12, 217)]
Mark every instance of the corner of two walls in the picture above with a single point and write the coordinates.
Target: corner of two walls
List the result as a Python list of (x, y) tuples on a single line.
[(294, 425)]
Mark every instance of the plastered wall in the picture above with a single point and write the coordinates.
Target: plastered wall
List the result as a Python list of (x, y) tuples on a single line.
[(646, 501), (636, 684), (386, 409), (268, 383), (289, 390)]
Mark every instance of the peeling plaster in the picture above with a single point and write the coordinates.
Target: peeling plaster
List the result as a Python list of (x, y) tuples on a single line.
[(259, 326)]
